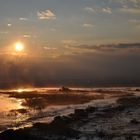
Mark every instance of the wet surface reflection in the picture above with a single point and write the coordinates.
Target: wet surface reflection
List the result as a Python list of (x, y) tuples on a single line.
[(7, 104)]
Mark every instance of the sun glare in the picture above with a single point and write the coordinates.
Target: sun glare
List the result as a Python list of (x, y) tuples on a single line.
[(20, 90), (19, 46)]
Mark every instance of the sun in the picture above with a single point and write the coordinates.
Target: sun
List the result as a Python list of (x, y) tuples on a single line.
[(19, 46)]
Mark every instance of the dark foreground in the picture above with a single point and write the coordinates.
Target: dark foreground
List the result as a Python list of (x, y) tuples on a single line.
[(119, 121)]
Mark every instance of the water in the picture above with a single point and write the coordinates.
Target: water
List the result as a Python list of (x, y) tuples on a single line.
[(6, 106), (28, 106)]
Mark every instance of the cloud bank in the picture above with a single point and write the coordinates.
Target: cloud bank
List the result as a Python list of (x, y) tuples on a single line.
[(82, 65)]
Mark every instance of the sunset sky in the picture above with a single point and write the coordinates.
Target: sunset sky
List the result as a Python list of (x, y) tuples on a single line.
[(60, 22), (68, 39)]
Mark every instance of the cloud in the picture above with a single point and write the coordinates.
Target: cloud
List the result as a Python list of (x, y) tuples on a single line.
[(69, 42), (47, 14), (134, 2), (90, 9), (134, 21), (130, 10), (49, 48), (27, 36), (9, 24), (87, 25), (23, 19), (107, 10), (99, 10), (124, 47)]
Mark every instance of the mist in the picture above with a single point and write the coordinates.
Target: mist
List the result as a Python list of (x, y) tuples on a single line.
[(76, 66)]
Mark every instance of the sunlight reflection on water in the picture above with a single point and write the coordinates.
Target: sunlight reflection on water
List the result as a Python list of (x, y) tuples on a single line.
[(7, 104), (8, 114)]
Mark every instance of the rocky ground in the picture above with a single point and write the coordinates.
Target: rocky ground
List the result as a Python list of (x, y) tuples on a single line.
[(117, 121)]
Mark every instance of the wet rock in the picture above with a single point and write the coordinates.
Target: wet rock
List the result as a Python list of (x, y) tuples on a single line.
[(100, 133), (91, 109), (63, 119), (115, 109), (21, 134), (134, 121), (64, 89), (129, 101), (58, 128), (79, 113), (137, 89)]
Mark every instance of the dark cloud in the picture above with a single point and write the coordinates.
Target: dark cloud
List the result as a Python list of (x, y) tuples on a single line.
[(107, 47)]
